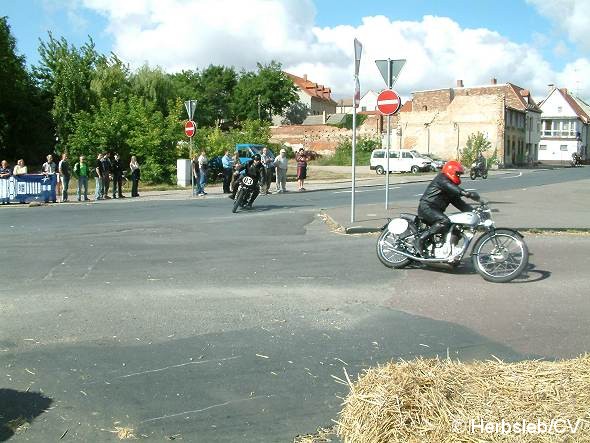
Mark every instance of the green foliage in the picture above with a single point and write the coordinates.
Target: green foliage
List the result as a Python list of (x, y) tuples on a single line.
[(153, 85), (296, 113), (110, 80), (343, 154), (66, 73), (22, 106), (263, 94), (476, 143)]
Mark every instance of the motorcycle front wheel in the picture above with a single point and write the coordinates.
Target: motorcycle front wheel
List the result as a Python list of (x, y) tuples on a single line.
[(238, 200), (484, 175), (472, 174), (386, 251), (500, 256)]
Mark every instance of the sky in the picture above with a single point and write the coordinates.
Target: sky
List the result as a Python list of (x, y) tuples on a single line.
[(531, 43)]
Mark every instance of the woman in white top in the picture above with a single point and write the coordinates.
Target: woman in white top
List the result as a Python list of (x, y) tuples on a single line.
[(20, 168)]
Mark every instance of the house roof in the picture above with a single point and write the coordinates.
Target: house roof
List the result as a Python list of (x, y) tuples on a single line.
[(345, 102), (311, 88), (580, 107), (524, 95), (407, 106)]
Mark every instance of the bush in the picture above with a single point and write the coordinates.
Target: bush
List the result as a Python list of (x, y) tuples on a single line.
[(343, 154)]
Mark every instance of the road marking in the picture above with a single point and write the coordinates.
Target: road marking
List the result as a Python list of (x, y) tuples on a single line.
[(516, 176), (348, 191)]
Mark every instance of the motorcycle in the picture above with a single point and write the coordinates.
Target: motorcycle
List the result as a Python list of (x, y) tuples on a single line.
[(244, 192), (576, 160), (499, 255), (478, 170)]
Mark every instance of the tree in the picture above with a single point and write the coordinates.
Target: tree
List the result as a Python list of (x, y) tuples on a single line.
[(263, 94), (476, 143), (65, 72), (296, 113), (22, 106), (111, 79), (153, 85)]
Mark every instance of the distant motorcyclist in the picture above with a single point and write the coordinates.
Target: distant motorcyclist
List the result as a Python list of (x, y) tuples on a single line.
[(480, 162), (442, 191), (254, 169)]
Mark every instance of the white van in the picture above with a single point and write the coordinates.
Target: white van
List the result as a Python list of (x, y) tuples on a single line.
[(400, 160)]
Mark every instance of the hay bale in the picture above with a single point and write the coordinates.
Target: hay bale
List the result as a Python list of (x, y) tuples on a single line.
[(432, 400)]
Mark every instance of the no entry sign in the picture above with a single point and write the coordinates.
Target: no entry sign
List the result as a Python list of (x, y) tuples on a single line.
[(190, 128), (388, 102)]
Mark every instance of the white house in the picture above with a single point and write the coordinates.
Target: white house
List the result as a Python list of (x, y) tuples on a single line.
[(368, 102), (565, 126)]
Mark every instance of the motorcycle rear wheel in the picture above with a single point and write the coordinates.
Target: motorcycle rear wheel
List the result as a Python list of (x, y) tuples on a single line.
[(238, 201), (484, 175), (500, 256), (386, 253)]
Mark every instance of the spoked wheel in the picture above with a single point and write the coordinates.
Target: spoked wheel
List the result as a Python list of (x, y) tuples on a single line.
[(386, 251), (484, 175), (238, 201), (500, 256), (472, 174)]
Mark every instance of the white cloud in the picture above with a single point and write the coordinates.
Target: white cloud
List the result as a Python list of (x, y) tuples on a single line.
[(192, 34), (568, 16)]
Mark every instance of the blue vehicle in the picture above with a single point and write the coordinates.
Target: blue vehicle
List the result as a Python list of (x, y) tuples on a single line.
[(247, 150)]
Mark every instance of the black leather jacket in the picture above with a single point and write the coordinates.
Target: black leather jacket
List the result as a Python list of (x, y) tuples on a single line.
[(441, 192), (254, 171)]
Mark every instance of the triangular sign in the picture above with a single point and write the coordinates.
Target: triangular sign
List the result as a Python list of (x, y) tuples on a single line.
[(395, 68)]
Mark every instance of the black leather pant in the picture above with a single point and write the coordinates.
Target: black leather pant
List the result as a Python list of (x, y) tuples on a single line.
[(435, 218)]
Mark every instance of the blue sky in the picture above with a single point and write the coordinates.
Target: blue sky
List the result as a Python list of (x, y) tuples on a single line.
[(527, 42)]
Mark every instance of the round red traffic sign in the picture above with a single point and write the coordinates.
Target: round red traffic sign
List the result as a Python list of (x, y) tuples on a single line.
[(190, 128), (388, 102)]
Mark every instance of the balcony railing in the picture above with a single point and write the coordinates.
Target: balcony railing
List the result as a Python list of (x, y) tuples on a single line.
[(558, 133)]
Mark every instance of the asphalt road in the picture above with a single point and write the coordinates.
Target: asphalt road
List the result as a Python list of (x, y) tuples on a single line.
[(180, 319)]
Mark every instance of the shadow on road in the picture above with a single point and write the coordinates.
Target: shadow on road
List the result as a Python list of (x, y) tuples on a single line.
[(18, 409)]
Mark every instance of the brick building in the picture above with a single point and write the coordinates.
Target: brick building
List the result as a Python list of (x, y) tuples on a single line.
[(440, 121)]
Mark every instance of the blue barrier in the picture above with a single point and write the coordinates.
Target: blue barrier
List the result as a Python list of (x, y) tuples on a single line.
[(28, 187)]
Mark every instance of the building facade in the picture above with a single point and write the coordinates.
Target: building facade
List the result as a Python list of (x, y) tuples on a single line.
[(564, 127)]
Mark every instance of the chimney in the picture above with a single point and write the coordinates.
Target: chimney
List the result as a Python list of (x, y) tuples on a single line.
[(305, 77), (459, 83), (493, 81)]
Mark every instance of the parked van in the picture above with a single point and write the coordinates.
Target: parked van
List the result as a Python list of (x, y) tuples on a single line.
[(400, 160), (247, 150)]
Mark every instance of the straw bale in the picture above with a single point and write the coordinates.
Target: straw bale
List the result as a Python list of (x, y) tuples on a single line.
[(438, 401)]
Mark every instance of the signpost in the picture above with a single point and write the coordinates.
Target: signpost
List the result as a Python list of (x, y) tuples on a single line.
[(190, 129), (389, 102), (358, 49)]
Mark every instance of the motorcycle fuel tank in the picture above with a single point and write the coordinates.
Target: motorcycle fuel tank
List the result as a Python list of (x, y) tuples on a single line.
[(464, 218)]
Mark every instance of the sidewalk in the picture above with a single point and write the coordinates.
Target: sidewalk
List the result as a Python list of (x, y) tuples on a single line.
[(560, 206)]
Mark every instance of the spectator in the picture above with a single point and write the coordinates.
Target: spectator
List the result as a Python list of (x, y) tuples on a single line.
[(64, 175), (203, 167), (99, 172), (281, 164), (117, 170), (135, 175), (237, 167), (267, 160), (227, 164), (82, 171), (4, 170), (20, 168), (48, 167), (107, 168), (195, 173), (301, 158)]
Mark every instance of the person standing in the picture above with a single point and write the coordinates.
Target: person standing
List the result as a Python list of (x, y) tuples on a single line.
[(82, 170), (5, 171), (49, 167), (117, 170), (203, 167), (19, 168), (267, 160), (64, 174), (107, 168), (195, 173), (227, 164), (301, 158), (135, 175), (281, 163), (99, 172)]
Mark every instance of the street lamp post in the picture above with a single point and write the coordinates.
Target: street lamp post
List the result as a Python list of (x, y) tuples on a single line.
[(456, 126), (358, 49)]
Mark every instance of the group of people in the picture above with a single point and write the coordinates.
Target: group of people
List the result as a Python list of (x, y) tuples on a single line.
[(106, 171)]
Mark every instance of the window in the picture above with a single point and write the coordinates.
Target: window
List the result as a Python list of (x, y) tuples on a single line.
[(378, 154), (559, 128), (542, 147), (563, 147), (406, 155), (393, 154)]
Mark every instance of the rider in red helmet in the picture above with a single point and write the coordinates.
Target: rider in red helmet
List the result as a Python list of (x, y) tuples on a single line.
[(442, 191)]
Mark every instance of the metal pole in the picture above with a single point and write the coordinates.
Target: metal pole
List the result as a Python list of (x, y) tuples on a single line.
[(388, 140), (353, 158), (190, 144)]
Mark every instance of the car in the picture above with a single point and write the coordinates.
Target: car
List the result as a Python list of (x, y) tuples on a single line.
[(436, 163), (400, 160), (247, 150)]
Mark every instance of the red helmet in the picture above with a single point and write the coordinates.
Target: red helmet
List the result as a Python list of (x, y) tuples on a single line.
[(453, 170)]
